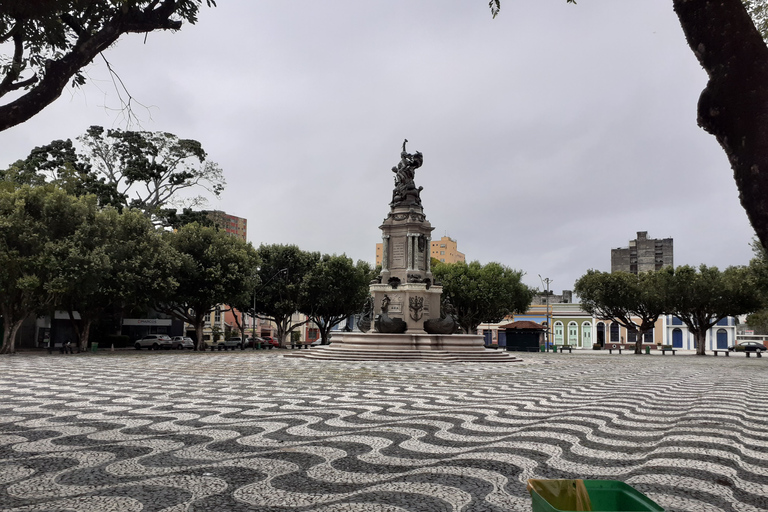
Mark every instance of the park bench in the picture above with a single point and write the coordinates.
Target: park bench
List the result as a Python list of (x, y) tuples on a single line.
[(667, 348), (611, 349), (299, 344), (758, 354), (727, 352), (565, 347)]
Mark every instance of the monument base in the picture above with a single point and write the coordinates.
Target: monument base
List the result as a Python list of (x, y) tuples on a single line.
[(372, 346)]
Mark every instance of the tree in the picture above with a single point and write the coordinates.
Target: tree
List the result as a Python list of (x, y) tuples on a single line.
[(333, 290), (215, 268), (734, 105), (116, 261), (704, 297), (634, 301), (54, 40), (482, 293), (37, 226), (278, 294), (149, 169)]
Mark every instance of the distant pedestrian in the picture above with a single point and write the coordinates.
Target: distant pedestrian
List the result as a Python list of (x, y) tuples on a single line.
[(67, 346)]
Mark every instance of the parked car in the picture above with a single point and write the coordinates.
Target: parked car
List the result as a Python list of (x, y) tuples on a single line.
[(272, 341), (182, 342), (318, 341), (748, 346), (153, 342), (227, 344)]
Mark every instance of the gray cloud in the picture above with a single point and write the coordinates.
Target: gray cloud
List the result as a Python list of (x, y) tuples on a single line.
[(550, 134)]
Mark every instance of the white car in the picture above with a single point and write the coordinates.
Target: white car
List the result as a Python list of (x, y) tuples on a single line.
[(183, 342), (154, 342)]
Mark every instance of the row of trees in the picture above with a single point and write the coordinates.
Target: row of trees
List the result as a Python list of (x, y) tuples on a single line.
[(61, 251), (699, 297)]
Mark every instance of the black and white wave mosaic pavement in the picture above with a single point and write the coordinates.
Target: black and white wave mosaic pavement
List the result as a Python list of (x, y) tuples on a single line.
[(173, 432)]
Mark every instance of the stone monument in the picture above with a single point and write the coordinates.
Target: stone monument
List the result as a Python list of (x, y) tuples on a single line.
[(405, 301)]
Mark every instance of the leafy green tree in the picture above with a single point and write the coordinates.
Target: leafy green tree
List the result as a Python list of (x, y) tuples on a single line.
[(278, 293), (759, 268), (149, 169), (116, 261), (215, 268), (53, 40), (333, 290), (37, 225), (703, 297), (482, 293), (635, 301)]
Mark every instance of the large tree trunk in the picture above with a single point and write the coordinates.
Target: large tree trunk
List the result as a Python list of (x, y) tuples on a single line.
[(638, 341), (10, 330), (85, 333), (701, 340), (734, 105)]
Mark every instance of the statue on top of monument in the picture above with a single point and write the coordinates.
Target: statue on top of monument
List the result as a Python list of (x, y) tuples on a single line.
[(405, 192)]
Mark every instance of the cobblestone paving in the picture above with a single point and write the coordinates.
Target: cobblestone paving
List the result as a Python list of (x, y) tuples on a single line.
[(130, 431)]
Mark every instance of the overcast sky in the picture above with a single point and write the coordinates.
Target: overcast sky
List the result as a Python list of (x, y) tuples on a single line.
[(550, 134)]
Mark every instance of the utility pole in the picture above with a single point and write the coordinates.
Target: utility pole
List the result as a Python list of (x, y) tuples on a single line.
[(546, 333)]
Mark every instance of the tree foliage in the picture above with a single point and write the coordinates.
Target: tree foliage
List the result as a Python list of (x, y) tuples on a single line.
[(37, 228), (116, 261), (215, 268), (144, 170), (53, 40), (333, 290), (635, 301), (278, 293), (482, 293), (703, 297)]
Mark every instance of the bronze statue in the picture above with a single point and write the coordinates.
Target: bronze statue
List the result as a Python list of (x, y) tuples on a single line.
[(405, 192)]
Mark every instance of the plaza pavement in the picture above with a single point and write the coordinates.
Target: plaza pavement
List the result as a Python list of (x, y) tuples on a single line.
[(171, 431)]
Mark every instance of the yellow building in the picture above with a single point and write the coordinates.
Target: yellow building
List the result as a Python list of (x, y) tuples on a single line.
[(444, 250)]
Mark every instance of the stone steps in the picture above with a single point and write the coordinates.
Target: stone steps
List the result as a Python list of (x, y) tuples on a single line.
[(330, 352)]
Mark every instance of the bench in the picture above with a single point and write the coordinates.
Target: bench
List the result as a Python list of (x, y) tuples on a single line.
[(727, 352), (565, 347), (665, 350), (298, 345), (610, 350), (758, 353)]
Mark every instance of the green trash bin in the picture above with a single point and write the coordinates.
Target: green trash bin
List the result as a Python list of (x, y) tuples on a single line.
[(543, 348), (94, 347), (605, 496), (647, 350)]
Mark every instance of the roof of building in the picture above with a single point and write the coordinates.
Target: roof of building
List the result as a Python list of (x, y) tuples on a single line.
[(523, 324)]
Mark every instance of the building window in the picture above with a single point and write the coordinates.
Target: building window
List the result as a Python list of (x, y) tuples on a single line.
[(558, 333), (586, 334), (313, 334), (648, 336), (614, 332), (573, 333), (218, 315), (676, 321)]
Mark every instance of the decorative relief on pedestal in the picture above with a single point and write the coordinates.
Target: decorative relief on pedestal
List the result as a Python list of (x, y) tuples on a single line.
[(416, 307)]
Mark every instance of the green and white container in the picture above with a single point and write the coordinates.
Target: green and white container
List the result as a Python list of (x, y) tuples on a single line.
[(606, 496)]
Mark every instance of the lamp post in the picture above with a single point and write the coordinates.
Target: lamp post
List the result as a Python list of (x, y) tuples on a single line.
[(546, 333)]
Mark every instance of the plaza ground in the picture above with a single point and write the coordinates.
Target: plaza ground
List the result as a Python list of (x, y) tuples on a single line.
[(250, 430)]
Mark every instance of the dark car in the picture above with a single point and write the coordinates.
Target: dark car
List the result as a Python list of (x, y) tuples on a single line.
[(748, 346)]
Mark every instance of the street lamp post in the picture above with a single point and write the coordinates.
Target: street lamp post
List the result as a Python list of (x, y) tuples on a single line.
[(546, 333)]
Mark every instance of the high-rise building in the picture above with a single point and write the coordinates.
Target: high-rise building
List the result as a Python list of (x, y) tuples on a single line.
[(445, 250), (643, 254), (235, 226)]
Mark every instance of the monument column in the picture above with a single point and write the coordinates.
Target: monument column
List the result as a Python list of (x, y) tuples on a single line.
[(385, 253)]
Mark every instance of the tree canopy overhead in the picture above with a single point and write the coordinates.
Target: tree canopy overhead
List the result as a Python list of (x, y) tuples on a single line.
[(53, 40)]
